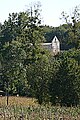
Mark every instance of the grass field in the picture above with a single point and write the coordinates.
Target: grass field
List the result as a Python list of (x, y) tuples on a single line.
[(13, 100), (21, 108)]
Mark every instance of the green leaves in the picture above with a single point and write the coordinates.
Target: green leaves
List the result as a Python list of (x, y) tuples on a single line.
[(70, 76), (28, 69), (73, 22)]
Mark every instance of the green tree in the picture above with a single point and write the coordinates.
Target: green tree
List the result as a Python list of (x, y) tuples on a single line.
[(38, 79), (12, 71), (73, 22), (13, 27), (20, 49), (65, 85)]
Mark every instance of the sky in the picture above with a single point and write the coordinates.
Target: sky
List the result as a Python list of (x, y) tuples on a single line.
[(51, 9)]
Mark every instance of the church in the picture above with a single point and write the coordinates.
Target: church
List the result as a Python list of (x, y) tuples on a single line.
[(54, 46)]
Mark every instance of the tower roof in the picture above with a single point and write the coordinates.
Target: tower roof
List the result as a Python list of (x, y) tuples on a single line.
[(55, 40)]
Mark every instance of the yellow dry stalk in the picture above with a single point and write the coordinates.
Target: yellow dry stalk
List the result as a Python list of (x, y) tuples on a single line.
[(14, 100)]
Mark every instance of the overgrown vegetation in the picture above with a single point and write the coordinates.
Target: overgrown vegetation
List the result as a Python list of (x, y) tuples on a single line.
[(29, 70), (39, 113)]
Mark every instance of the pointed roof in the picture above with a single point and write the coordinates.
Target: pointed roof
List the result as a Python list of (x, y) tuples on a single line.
[(55, 40)]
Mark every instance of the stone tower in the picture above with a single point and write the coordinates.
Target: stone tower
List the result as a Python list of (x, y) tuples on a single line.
[(55, 45)]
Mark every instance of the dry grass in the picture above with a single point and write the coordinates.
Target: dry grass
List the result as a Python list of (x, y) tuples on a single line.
[(22, 108), (13, 100)]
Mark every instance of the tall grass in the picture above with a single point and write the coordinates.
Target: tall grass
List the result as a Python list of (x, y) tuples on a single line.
[(28, 109), (13, 100)]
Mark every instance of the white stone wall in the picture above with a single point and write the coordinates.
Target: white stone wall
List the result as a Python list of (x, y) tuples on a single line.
[(54, 47)]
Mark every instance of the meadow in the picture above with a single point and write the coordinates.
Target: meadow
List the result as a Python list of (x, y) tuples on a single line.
[(22, 108)]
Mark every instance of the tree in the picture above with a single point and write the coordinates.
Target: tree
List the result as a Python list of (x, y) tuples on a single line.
[(13, 27), (65, 85), (12, 70), (38, 79), (74, 26), (21, 47)]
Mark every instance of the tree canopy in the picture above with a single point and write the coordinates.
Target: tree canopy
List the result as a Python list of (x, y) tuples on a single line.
[(27, 69)]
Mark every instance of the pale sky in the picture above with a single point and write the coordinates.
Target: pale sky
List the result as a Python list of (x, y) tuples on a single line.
[(51, 9)]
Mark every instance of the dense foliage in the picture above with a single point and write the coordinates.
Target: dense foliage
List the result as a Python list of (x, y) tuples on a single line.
[(28, 69)]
